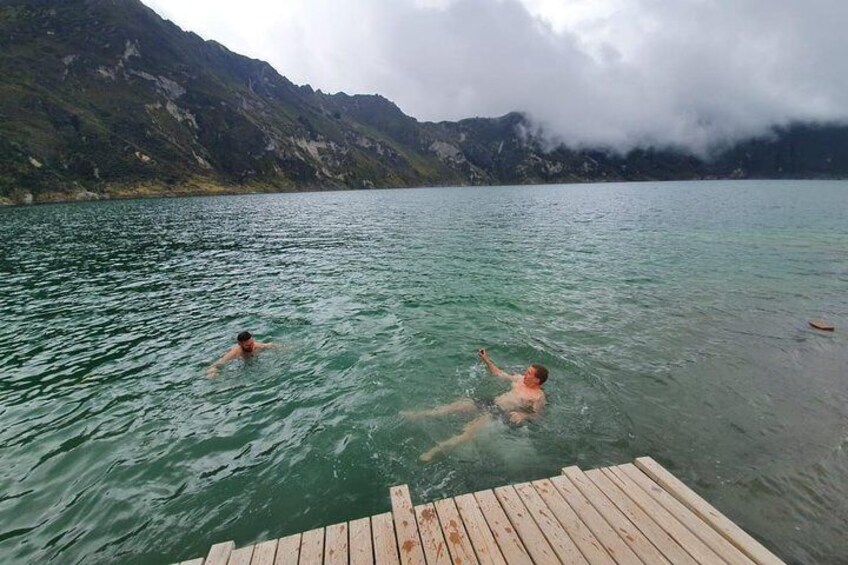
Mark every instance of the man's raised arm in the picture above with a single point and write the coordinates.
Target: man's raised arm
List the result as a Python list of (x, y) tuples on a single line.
[(484, 357)]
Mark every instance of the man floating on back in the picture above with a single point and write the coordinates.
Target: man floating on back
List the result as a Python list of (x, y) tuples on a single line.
[(523, 402)]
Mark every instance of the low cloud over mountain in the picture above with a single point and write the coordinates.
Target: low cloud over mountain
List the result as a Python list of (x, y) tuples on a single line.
[(700, 74)]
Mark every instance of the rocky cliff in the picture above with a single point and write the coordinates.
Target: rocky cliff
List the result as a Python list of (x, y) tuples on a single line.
[(105, 98)]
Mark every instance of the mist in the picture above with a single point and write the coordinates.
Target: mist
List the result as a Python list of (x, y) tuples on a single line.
[(693, 74)]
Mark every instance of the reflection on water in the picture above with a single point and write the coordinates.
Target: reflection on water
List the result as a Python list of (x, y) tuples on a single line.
[(673, 318)]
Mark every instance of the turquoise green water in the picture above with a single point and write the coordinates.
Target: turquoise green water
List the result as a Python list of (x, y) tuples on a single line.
[(672, 317)]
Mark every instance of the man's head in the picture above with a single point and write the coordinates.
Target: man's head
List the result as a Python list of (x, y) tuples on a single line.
[(535, 375), (246, 342)]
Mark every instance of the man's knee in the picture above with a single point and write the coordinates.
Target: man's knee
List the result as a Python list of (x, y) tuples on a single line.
[(478, 422)]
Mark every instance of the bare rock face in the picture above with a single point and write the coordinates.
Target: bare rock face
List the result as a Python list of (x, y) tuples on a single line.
[(101, 94), (85, 196)]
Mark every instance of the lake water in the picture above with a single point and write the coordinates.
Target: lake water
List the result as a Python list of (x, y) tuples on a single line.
[(673, 318)]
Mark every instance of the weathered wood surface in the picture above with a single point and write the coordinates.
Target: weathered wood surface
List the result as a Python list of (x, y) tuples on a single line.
[(288, 550), (312, 547), (385, 541), (219, 553), (627, 514), (733, 533), (557, 536), (678, 532), (459, 544), (632, 536), (589, 545), (241, 556), (435, 547), (485, 545), (511, 545), (406, 527), (336, 545), (264, 553), (534, 540), (646, 524), (726, 550), (361, 545)]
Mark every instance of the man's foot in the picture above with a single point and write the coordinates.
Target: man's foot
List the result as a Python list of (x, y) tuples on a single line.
[(430, 455), (412, 414)]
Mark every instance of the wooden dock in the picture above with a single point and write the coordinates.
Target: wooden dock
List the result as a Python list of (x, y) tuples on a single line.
[(635, 513)]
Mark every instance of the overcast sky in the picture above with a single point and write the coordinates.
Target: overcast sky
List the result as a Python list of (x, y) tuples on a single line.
[(620, 73)]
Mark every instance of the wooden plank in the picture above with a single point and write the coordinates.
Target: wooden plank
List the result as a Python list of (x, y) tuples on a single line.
[(406, 527), (606, 533), (264, 553), (590, 546), (631, 535), (198, 561), (485, 546), (655, 533), (733, 533), (432, 540), (312, 547), (219, 554), (335, 545), (459, 545), (241, 556), (534, 540), (361, 546), (557, 537), (500, 526), (681, 534), (288, 550), (385, 542), (707, 534)]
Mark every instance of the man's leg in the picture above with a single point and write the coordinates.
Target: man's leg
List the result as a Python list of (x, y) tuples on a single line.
[(462, 405), (467, 434)]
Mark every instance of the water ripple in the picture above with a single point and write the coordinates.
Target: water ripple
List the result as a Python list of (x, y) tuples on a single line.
[(672, 316)]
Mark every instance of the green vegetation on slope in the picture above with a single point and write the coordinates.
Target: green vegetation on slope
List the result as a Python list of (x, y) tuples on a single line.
[(104, 97)]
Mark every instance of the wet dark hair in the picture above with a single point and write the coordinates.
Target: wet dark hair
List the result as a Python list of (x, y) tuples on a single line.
[(244, 336), (541, 373)]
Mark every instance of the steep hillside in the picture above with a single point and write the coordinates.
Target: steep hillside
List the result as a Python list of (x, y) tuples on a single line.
[(104, 97)]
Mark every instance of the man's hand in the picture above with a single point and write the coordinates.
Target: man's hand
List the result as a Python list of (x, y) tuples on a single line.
[(212, 372), (518, 417), (484, 357)]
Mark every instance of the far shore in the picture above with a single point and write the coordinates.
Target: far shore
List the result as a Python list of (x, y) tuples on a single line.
[(186, 190), (202, 188), (141, 191)]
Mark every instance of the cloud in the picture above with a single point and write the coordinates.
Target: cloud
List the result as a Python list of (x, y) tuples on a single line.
[(617, 73)]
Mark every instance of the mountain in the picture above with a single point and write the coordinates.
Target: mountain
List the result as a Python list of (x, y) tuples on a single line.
[(105, 98)]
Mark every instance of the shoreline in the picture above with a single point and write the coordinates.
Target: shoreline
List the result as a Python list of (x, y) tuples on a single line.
[(201, 188), (136, 192)]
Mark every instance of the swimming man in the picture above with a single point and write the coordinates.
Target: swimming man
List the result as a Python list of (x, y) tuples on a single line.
[(245, 347), (523, 402)]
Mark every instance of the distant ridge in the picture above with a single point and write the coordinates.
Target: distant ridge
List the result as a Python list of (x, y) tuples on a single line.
[(105, 98)]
